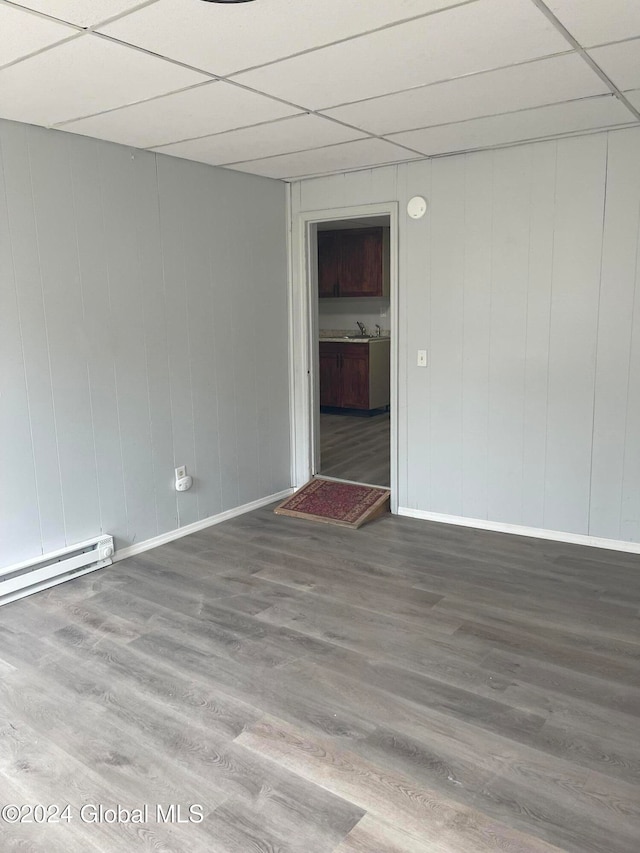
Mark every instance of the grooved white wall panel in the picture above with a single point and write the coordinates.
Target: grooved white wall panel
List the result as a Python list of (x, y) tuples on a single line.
[(523, 282), (56, 248), (19, 510), (413, 263), (508, 324), (20, 248), (446, 260), (575, 289), (476, 318), (616, 377), (541, 256), (630, 520), (143, 325)]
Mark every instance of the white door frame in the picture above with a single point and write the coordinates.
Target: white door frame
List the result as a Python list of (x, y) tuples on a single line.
[(303, 334)]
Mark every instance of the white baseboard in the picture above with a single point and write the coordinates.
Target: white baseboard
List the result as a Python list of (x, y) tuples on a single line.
[(521, 530), (171, 535)]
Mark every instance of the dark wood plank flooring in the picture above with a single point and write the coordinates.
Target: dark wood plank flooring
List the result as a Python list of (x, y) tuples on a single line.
[(356, 448), (404, 688)]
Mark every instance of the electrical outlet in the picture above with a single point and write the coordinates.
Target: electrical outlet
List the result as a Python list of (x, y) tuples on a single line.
[(181, 472), (422, 358)]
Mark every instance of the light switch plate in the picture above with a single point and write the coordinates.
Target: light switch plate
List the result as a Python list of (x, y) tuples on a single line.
[(422, 358)]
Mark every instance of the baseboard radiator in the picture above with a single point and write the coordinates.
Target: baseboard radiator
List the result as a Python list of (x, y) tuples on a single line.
[(50, 569)]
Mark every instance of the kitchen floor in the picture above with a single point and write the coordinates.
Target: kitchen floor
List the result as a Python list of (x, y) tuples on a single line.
[(356, 448), (407, 687)]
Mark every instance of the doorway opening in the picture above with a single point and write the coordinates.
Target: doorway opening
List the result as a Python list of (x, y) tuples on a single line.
[(304, 369), (352, 348)]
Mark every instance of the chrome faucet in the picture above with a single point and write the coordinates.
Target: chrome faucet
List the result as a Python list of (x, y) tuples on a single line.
[(362, 327), (378, 331)]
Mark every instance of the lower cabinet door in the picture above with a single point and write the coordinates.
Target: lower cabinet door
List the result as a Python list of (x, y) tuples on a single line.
[(330, 376), (355, 376)]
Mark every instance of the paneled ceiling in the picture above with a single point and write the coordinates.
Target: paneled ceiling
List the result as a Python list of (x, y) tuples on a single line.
[(292, 88)]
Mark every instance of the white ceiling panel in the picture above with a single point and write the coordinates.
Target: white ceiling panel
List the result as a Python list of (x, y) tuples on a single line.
[(223, 39), (281, 137), (620, 62), (210, 108), (84, 13), (84, 76), (436, 75), (476, 37), (24, 33), (337, 158), (598, 21), (603, 111), (634, 98), (561, 78)]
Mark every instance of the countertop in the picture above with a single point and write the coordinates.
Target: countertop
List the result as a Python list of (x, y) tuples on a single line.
[(345, 339)]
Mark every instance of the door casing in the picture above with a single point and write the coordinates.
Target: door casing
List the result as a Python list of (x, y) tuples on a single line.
[(303, 334)]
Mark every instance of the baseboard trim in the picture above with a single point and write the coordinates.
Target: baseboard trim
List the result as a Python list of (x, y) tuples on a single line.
[(210, 521), (521, 530)]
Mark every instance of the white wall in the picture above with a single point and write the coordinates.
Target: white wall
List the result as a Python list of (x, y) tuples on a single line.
[(143, 325), (523, 283), (344, 313)]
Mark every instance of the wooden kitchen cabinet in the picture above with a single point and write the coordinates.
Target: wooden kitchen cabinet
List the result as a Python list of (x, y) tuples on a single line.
[(330, 375), (353, 262), (328, 249), (354, 376), (354, 379)]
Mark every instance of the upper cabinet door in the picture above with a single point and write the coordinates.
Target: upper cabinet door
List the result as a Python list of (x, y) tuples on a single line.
[(353, 262), (328, 263), (360, 270)]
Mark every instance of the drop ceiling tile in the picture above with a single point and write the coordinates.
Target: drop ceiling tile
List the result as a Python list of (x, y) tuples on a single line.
[(620, 62), (634, 98), (561, 78), (336, 158), (598, 21), (80, 12), (603, 111), (224, 39), (24, 33), (475, 37), (280, 137), (84, 76), (210, 108)]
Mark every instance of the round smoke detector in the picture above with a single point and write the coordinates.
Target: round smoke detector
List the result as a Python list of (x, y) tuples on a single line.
[(417, 207)]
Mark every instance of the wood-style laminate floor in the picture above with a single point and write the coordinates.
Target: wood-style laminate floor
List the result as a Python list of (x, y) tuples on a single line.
[(403, 688), (356, 448)]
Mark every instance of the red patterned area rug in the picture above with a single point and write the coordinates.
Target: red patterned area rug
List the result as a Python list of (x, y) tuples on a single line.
[(346, 504)]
